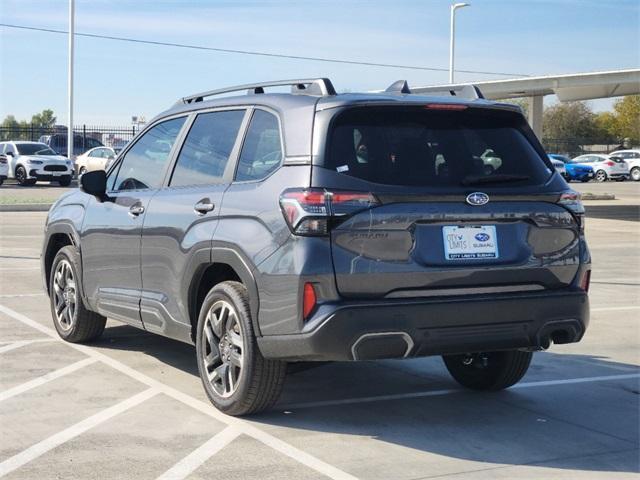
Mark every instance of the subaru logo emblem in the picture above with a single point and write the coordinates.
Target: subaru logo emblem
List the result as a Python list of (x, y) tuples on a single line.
[(477, 198), (482, 237)]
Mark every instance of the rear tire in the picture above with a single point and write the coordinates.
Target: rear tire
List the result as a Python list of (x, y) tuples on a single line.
[(635, 174), (73, 322), (490, 371), (601, 176), (236, 377), (585, 180)]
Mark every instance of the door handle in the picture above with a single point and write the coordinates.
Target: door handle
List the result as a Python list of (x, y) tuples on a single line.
[(204, 206), (136, 210)]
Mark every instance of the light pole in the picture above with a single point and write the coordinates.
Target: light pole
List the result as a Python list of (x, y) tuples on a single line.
[(452, 40), (70, 81)]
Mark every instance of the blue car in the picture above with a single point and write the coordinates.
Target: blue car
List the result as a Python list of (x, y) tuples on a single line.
[(574, 171)]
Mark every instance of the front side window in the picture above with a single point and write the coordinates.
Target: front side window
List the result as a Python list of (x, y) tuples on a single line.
[(207, 148), (144, 164), (262, 149)]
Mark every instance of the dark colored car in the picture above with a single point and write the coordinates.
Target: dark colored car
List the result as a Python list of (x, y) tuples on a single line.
[(574, 171), (269, 228), (58, 143)]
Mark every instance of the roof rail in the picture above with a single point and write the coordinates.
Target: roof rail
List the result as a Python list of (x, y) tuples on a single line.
[(465, 92), (309, 86)]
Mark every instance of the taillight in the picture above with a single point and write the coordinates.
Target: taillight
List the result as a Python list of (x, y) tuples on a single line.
[(308, 300), (571, 201), (585, 280), (609, 163), (313, 211)]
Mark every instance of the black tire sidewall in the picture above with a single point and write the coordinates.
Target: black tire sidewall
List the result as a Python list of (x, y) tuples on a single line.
[(23, 181), (233, 295), (66, 253)]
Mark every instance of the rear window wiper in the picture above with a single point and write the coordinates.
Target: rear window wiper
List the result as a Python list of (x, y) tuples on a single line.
[(497, 178)]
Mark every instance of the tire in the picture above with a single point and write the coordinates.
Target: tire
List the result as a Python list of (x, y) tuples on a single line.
[(65, 181), (601, 176), (1, 181), (73, 322), (635, 174), (585, 179), (21, 177), (490, 371), (621, 179), (236, 377)]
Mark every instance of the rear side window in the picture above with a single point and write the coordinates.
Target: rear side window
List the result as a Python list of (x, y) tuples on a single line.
[(262, 149), (432, 148), (206, 151)]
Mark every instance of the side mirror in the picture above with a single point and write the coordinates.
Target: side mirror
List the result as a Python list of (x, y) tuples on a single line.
[(94, 183), (9, 154)]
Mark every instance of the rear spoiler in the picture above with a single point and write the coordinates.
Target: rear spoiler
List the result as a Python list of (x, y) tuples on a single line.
[(464, 92)]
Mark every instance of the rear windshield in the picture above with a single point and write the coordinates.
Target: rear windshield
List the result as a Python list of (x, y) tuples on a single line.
[(426, 147)]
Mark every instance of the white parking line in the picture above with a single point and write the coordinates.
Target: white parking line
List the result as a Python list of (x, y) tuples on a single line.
[(36, 382), (12, 295), (614, 309), (73, 431), (195, 459), (22, 343), (206, 408), (437, 393)]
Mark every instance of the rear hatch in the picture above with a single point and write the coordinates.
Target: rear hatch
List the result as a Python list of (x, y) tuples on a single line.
[(461, 201)]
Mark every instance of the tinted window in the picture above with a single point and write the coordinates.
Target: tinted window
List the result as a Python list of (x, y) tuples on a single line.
[(34, 149), (262, 149), (420, 147), (143, 165), (205, 153)]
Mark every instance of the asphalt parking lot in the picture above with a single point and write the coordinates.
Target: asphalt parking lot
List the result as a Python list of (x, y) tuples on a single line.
[(132, 406)]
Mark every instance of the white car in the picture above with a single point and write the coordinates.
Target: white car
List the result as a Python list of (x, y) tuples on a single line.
[(559, 166), (4, 168), (632, 157), (605, 167), (33, 161), (94, 159)]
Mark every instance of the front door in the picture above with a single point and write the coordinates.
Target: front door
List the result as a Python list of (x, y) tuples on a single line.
[(182, 218), (112, 228)]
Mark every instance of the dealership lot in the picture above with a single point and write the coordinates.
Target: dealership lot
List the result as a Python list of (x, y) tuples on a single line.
[(131, 405)]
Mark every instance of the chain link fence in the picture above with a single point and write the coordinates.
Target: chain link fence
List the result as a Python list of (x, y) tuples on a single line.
[(575, 146)]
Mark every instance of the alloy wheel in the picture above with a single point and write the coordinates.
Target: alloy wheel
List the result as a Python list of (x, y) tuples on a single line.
[(601, 176), (635, 174), (65, 295), (223, 348), (21, 175)]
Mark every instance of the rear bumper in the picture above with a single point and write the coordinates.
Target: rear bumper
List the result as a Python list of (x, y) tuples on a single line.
[(413, 328)]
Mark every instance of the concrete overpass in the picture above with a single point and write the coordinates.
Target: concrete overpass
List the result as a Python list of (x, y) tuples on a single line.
[(574, 86)]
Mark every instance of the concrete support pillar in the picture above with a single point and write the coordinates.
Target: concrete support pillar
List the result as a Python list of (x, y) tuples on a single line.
[(535, 114)]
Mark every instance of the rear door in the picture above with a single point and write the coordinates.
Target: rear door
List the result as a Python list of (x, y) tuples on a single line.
[(183, 216), (447, 219)]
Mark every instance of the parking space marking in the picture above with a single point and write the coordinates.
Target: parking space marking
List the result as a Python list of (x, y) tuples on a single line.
[(436, 393), (200, 455), (36, 382), (248, 429), (613, 309), (14, 295), (73, 431), (22, 343)]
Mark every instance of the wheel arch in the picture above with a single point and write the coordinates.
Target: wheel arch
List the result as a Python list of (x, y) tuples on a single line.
[(227, 265), (58, 236)]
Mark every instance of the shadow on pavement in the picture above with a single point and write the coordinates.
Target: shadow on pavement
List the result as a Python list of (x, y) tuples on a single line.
[(556, 427), (614, 212)]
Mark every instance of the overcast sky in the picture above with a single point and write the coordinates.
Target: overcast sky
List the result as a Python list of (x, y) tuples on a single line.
[(115, 80)]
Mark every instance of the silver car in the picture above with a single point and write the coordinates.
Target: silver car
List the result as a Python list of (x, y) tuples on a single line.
[(30, 162)]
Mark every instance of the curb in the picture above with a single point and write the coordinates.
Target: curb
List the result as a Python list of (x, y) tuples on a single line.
[(599, 196), (26, 207)]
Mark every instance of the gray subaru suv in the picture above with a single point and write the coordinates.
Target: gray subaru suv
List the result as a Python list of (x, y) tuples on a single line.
[(270, 226)]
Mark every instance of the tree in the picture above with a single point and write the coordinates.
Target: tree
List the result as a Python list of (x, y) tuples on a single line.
[(568, 126), (607, 126), (45, 119), (627, 114)]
